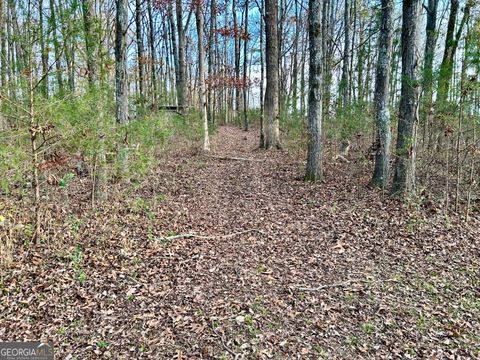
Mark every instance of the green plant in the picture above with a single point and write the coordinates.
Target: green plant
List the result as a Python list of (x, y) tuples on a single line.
[(77, 261), (368, 328), (65, 180), (102, 344)]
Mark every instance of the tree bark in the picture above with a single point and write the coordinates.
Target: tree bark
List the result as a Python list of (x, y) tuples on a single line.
[(262, 74), (3, 47), (272, 131), (140, 50), (428, 56), (174, 46), (211, 58), (201, 73), (245, 58), (344, 82), (236, 39), (44, 50), (182, 76), (382, 82), (404, 177), (314, 156), (153, 58), (90, 39), (121, 80), (56, 47)]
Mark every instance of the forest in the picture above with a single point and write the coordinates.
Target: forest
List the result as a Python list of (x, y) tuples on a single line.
[(240, 179)]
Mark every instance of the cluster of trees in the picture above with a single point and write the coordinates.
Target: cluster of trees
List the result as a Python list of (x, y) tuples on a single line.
[(330, 61)]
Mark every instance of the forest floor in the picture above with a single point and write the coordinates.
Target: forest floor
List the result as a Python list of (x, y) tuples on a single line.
[(279, 269)]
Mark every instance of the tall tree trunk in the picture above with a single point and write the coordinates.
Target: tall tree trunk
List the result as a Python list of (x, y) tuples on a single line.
[(446, 66), (329, 14), (3, 47), (140, 49), (121, 80), (428, 56), (90, 39), (295, 59), (382, 82), (174, 47), (201, 73), (56, 47), (272, 129), (451, 44), (43, 47), (236, 39), (153, 57), (245, 58), (182, 75), (314, 156), (211, 58), (68, 43), (404, 178), (344, 82), (262, 74)]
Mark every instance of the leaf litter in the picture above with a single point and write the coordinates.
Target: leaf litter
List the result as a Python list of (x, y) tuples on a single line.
[(212, 257)]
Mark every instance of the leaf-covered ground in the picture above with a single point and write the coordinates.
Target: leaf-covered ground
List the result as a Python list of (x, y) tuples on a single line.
[(280, 268)]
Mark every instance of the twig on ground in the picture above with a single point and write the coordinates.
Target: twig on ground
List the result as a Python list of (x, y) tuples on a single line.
[(187, 236), (233, 158), (224, 344), (343, 284)]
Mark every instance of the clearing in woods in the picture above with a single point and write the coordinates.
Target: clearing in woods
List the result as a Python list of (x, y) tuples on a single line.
[(279, 268)]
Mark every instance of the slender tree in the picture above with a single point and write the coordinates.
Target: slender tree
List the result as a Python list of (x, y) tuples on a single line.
[(382, 81), (121, 80), (404, 177), (3, 46), (201, 73), (90, 39), (56, 47), (262, 75), (153, 56), (314, 156), (140, 49), (431, 38), (344, 82), (272, 130), (245, 61)]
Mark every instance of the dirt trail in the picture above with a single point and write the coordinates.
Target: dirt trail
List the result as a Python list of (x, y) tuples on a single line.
[(400, 282)]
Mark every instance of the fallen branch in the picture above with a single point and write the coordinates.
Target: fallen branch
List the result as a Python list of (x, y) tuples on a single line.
[(235, 158), (222, 340), (187, 236), (343, 284)]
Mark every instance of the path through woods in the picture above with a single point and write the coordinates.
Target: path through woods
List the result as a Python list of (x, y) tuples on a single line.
[(328, 270)]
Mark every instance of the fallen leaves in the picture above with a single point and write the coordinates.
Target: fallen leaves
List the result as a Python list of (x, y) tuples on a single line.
[(389, 282)]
